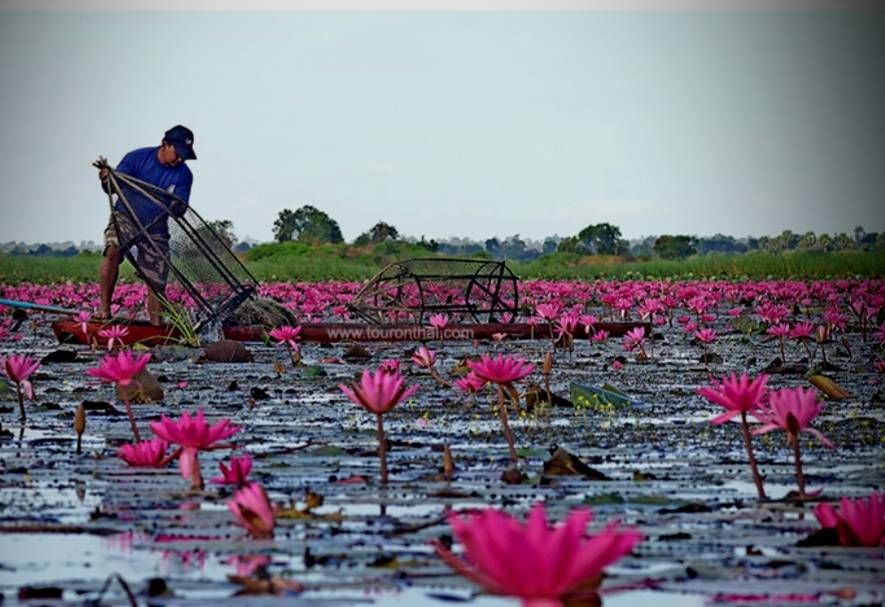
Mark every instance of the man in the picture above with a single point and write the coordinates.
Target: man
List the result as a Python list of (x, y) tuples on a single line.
[(164, 168)]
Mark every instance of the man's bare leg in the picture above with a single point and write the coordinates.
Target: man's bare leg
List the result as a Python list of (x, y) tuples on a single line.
[(110, 266), (153, 307)]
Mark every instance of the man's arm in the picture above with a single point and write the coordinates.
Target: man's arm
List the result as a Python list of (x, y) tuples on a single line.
[(182, 191), (126, 166)]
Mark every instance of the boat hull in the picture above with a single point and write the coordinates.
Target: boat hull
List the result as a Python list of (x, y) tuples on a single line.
[(69, 331)]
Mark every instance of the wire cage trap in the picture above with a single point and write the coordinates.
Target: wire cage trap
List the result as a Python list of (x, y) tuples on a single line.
[(467, 290), (213, 279)]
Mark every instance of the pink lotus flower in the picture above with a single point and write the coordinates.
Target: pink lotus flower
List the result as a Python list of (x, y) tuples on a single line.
[(860, 522), (424, 357), (121, 370), (114, 334), (706, 335), (802, 330), (617, 365), (379, 392), (470, 383), (287, 335), (737, 395), (146, 454), (237, 474), (599, 336), (740, 396), (588, 320), (548, 311), (635, 337), (83, 318), (253, 510), (540, 565), (566, 326), (439, 321), (835, 319), (193, 434), (501, 369), (792, 409), (18, 369), (389, 365)]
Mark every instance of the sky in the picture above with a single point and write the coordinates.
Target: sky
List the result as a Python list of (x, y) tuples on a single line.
[(470, 123)]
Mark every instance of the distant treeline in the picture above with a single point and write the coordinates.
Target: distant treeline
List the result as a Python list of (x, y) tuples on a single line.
[(311, 226)]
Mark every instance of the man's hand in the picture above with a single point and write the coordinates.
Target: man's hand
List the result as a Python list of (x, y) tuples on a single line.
[(103, 173)]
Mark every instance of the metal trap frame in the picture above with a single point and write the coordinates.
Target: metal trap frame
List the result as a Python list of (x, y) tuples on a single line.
[(472, 290), (202, 263)]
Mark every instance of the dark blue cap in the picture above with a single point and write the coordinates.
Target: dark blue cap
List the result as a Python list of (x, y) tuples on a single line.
[(182, 139)]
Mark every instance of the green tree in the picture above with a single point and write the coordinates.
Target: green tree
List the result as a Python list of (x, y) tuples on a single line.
[(767, 244), (842, 242), (569, 244), (284, 225), (859, 234), (601, 239), (807, 241), (308, 224), (674, 247), (225, 230), (380, 232), (644, 248)]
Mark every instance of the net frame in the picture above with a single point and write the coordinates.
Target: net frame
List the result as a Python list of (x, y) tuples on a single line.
[(237, 283), (483, 291)]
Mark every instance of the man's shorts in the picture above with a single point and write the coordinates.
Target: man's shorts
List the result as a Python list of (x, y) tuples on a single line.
[(152, 256)]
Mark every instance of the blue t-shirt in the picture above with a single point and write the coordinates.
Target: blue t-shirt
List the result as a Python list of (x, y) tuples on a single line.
[(144, 165)]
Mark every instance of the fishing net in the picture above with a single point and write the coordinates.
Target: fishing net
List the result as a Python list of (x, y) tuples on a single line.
[(467, 290), (213, 280)]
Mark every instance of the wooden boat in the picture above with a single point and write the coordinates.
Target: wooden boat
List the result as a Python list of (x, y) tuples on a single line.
[(70, 331)]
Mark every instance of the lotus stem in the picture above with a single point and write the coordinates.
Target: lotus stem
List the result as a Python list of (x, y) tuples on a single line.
[(435, 375), (754, 467), (783, 354), (793, 439), (502, 413), (382, 448), (21, 402), (197, 474), (131, 417)]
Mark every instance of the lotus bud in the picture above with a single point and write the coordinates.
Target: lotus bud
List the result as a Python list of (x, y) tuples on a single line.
[(548, 363), (448, 462), (823, 334), (80, 425)]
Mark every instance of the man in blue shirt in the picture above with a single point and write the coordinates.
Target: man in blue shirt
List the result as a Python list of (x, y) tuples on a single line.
[(164, 168)]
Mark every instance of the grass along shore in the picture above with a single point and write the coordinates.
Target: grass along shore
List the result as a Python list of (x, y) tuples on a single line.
[(294, 261)]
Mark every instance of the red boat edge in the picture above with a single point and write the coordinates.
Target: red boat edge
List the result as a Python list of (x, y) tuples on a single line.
[(69, 331)]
